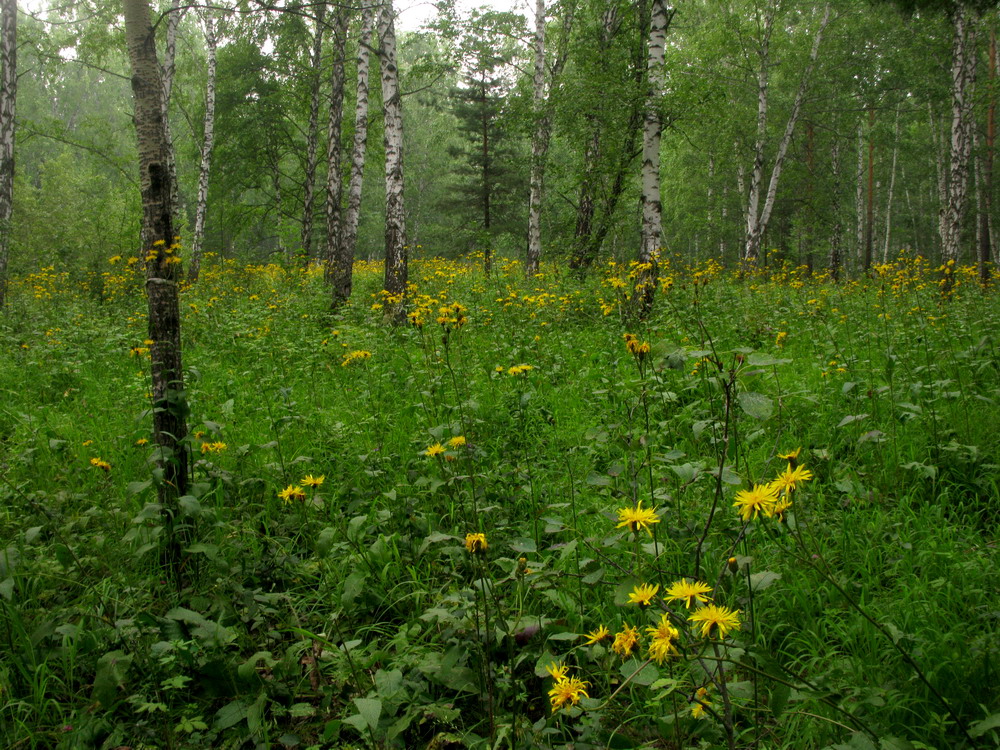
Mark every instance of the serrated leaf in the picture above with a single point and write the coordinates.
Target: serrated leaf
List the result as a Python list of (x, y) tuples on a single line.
[(851, 418)]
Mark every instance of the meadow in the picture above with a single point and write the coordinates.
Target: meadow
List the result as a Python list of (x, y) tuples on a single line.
[(766, 517)]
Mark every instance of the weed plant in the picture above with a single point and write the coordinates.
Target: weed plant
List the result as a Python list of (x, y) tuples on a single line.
[(766, 517)]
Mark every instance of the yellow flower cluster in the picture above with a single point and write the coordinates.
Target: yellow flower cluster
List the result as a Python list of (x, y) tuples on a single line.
[(359, 355), (773, 499)]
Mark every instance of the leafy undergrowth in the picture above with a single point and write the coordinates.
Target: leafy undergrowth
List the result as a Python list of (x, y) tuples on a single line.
[(335, 590)]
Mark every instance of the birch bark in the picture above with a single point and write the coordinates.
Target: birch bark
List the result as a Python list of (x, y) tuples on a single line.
[(207, 144), (396, 266), (162, 269), (652, 225), (312, 134), (334, 178), (343, 269), (8, 101), (757, 220), (963, 74)]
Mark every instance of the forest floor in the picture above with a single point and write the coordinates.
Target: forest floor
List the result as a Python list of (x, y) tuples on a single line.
[(766, 517)]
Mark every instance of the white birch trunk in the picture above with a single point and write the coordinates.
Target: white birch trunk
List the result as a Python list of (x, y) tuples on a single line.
[(396, 266), (751, 248), (342, 276), (539, 146), (892, 185), (167, 76), (963, 73), (334, 178), (859, 201), (207, 143), (757, 224), (8, 101), (312, 134)]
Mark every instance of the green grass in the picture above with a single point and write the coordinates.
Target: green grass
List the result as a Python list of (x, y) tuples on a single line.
[(357, 617)]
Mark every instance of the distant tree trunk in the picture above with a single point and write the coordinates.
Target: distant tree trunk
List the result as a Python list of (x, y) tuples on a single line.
[(207, 143), (758, 218), (162, 269), (396, 265), (963, 74), (866, 262), (334, 178), (837, 231), (985, 225), (174, 16), (810, 207), (892, 187), (312, 134), (344, 265), (651, 231), (539, 146), (859, 200), (8, 101)]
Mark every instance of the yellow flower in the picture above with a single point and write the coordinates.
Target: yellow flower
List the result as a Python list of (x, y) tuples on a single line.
[(663, 639), (701, 701), (791, 456), (790, 478), (213, 447), (781, 507), (100, 464), (637, 518), (292, 492), (310, 481), (717, 618), (475, 543), (567, 691), (519, 370), (760, 499), (688, 592), (596, 636), (142, 441), (643, 595), (355, 356), (435, 450), (557, 670), (626, 641), (457, 442)]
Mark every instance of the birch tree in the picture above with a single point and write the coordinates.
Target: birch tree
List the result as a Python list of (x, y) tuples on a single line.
[(760, 204), (207, 144), (334, 180), (543, 125), (963, 74), (343, 268), (8, 100), (396, 266), (162, 268), (649, 248), (312, 134)]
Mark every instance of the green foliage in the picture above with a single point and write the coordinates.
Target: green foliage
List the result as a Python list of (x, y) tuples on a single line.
[(331, 599)]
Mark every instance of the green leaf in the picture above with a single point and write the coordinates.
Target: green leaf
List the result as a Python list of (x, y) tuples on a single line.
[(757, 405), (230, 715), (110, 676), (759, 359), (982, 727), (763, 580), (851, 418), (370, 710)]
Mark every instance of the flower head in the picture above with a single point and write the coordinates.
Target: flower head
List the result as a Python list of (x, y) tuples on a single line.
[(717, 618), (791, 456), (643, 594), (475, 543), (688, 592), (626, 641), (567, 692), (790, 478), (596, 636), (781, 507), (435, 450), (557, 670), (100, 464), (457, 442), (663, 640), (760, 499), (310, 481), (701, 701), (637, 518), (292, 492)]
